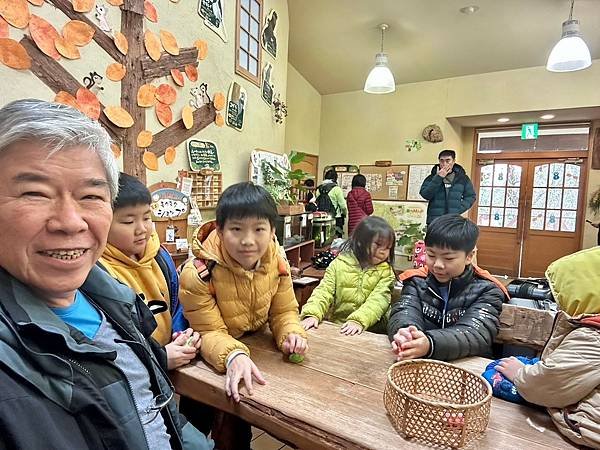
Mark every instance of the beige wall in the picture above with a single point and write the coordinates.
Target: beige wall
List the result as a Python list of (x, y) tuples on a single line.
[(217, 70), (359, 128), (303, 124)]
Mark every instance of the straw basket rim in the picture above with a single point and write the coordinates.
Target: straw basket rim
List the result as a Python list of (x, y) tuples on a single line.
[(438, 404)]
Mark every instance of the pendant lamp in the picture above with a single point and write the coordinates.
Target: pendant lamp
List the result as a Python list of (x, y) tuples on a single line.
[(380, 79), (570, 53)]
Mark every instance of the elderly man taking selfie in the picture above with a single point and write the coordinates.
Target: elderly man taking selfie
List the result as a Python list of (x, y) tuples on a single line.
[(78, 369)]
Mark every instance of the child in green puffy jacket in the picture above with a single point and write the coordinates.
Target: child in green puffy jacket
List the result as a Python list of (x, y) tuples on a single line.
[(357, 286)]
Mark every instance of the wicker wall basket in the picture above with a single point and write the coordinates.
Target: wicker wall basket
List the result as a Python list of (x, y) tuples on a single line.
[(437, 402)]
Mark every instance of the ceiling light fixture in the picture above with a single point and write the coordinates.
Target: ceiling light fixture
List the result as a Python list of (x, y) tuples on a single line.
[(503, 119), (468, 10), (570, 53), (380, 79), (547, 116)]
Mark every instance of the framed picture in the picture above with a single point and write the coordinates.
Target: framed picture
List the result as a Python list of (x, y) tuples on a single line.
[(213, 13), (269, 38), (236, 106)]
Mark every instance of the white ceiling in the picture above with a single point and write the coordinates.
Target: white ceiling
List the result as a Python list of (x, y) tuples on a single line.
[(333, 43)]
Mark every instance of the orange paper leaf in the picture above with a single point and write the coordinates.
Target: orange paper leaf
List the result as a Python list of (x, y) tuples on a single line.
[(187, 114), (152, 44), (115, 72), (121, 42), (150, 11), (13, 54), (66, 48), (166, 94), (116, 150), (88, 103), (219, 121), (78, 32), (146, 95), (66, 99), (44, 34), (115, 2), (15, 12), (36, 2), (170, 154), (219, 101), (191, 72), (4, 28), (150, 160), (144, 139), (177, 77), (119, 116), (83, 5), (169, 42), (202, 47), (164, 114)]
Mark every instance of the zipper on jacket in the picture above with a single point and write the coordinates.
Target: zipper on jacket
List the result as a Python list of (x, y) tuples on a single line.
[(445, 302)]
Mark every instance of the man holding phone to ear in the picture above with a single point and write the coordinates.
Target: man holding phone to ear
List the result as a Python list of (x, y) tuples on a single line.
[(448, 189)]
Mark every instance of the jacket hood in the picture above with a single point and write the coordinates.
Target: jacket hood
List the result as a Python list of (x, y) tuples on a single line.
[(117, 258), (574, 281), (458, 169)]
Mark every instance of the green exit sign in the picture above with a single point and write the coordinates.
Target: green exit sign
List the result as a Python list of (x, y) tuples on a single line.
[(529, 131)]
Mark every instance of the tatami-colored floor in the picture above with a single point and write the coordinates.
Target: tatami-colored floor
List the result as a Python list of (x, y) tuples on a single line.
[(263, 441)]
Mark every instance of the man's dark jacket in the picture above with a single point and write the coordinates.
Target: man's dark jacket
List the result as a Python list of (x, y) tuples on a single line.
[(59, 391), (456, 200), (465, 326)]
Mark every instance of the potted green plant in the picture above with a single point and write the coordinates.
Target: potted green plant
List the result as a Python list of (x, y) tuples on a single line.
[(284, 184)]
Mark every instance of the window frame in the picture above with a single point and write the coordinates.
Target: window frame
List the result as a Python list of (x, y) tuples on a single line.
[(239, 69)]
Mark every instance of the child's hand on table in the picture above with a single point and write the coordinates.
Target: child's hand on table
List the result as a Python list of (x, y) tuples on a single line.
[(509, 367), (183, 348), (351, 328), (310, 322), (295, 344), (410, 343), (241, 368)]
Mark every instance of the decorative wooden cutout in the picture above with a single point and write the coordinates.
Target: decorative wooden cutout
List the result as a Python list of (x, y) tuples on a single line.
[(146, 95), (4, 33), (200, 96), (116, 150), (153, 46), (66, 48), (115, 2), (268, 38), (177, 77), (93, 82), (13, 54), (164, 114), (66, 99), (170, 155), (187, 115), (202, 47), (169, 42), (15, 12), (219, 101), (150, 161), (267, 86), (83, 6), (44, 34), (36, 2), (166, 94), (219, 121), (116, 71), (144, 139), (191, 72), (119, 116), (78, 33), (150, 11), (102, 19), (88, 103), (121, 42), (213, 12)]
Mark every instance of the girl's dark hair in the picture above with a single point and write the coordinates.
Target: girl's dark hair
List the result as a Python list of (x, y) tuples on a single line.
[(331, 175), (132, 192), (363, 235), (359, 181), (452, 231), (243, 200)]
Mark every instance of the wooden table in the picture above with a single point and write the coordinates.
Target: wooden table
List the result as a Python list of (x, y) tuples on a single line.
[(334, 399)]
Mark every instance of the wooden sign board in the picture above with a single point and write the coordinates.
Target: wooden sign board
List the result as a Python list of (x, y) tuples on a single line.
[(386, 183), (203, 155), (169, 204)]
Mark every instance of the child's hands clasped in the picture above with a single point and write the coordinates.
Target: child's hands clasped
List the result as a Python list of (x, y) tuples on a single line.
[(241, 368), (183, 348), (351, 328), (295, 344), (509, 367), (310, 322), (410, 343)]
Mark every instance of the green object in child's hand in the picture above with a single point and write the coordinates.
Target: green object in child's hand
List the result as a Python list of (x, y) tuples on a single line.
[(296, 358), (189, 341)]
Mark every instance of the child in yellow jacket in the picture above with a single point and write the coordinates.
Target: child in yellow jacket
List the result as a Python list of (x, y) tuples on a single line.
[(238, 283), (566, 380)]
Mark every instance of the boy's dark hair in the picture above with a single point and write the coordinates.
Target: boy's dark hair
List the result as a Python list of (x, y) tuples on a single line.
[(243, 200), (309, 182), (447, 152), (132, 192), (359, 181), (363, 235), (331, 175), (453, 232)]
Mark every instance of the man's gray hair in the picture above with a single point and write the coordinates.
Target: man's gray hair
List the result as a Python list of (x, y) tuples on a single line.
[(57, 127)]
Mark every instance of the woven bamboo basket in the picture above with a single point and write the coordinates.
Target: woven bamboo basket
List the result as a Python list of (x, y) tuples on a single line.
[(437, 402)]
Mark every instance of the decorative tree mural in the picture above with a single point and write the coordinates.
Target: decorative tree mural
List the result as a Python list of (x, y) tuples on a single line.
[(140, 58)]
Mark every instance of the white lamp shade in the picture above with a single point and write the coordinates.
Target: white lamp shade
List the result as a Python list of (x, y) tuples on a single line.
[(380, 79), (570, 53)]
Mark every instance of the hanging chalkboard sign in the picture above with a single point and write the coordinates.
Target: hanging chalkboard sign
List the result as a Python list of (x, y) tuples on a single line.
[(169, 204), (203, 155)]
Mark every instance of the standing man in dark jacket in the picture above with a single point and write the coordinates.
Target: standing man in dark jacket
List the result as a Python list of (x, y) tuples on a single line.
[(78, 368), (449, 309), (448, 189)]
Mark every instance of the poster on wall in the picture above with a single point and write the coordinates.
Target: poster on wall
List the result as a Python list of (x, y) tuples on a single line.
[(267, 83), (213, 13), (256, 163), (408, 220), (269, 39), (203, 155), (416, 175), (236, 106)]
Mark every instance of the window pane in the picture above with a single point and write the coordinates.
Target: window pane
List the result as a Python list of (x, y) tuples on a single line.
[(254, 28), (485, 196), (540, 179), (552, 220), (243, 59), (500, 172), (539, 198), (498, 197), (243, 40), (485, 179), (255, 8), (510, 217), (497, 218), (572, 172), (246, 4), (512, 197), (556, 174), (570, 198), (483, 217), (254, 47), (568, 221), (253, 69), (244, 20), (537, 219), (554, 198)]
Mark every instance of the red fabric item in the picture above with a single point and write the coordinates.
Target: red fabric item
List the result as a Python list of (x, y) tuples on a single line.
[(359, 206), (592, 321)]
